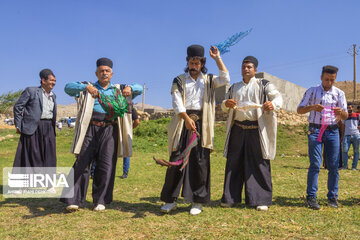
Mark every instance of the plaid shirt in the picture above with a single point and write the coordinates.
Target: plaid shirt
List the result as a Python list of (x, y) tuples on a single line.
[(317, 95)]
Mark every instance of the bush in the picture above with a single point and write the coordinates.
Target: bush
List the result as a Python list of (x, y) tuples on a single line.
[(153, 128), (151, 136), (8, 100)]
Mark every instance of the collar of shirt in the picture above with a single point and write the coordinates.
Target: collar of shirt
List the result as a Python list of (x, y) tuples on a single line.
[(252, 80), (188, 76), (98, 86), (46, 93)]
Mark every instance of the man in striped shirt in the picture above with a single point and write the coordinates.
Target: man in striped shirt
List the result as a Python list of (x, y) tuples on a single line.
[(327, 105), (351, 136)]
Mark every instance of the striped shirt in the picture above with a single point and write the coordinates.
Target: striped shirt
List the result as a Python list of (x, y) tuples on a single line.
[(329, 99), (351, 124)]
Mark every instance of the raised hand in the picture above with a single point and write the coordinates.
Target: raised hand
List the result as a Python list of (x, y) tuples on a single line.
[(214, 52)]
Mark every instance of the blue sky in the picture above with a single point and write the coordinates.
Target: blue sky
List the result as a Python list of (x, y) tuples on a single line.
[(147, 40)]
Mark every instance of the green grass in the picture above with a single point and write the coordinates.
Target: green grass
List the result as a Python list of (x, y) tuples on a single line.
[(135, 214)]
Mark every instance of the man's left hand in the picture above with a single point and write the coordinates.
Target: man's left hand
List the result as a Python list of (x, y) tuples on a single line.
[(268, 106), (214, 53), (126, 91)]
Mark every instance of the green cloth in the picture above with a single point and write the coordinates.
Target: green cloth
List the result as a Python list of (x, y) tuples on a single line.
[(115, 105)]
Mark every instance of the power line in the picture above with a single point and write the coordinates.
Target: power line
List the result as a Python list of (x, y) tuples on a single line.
[(299, 63)]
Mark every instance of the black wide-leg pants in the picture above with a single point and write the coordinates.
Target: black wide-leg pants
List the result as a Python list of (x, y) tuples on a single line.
[(245, 166), (194, 178), (100, 144), (39, 149)]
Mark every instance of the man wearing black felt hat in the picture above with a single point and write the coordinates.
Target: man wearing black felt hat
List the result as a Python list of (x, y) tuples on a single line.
[(103, 132), (250, 138), (193, 99)]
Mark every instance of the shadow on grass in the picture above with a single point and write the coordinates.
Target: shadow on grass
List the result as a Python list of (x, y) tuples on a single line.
[(295, 167), (156, 200), (38, 207), (300, 202), (289, 202), (140, 209), (152, 205), (350, 202)]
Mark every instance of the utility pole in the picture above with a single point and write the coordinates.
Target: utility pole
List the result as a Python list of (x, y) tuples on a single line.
[(353, 52), (143, 102)]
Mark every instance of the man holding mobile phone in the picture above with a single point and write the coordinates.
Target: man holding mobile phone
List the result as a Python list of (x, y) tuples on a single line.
[(315, 100), (193, 100)]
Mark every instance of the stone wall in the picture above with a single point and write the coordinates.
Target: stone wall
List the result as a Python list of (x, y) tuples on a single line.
[(291, 93)]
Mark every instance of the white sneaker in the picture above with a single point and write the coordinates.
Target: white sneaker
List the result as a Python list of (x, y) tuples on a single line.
[(168, 207), (72, 208), (99, 207), (196, 209), (262, 208)]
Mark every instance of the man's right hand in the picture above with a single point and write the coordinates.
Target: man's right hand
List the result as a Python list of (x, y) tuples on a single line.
[(92, 90), (317, 107), (190, 125), (230, 103)]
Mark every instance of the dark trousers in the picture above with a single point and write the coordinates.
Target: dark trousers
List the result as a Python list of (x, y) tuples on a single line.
[(39, 149), (194, 178), (100, 145), (245, 165)]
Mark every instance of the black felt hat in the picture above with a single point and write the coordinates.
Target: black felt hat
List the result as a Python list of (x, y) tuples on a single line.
[(252, 60), (104, 62), (195, 51)]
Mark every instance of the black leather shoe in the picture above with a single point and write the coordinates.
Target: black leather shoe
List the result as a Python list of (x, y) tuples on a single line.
[(124, 175), (332, 202), (312, 203)]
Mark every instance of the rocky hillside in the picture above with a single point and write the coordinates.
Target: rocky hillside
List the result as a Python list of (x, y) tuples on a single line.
[(348, 88)]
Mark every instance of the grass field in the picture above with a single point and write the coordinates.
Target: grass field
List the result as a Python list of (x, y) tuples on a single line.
[(135, 214)]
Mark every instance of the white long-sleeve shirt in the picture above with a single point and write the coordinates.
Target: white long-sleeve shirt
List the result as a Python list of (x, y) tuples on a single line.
[(194, 91), (243, 92)]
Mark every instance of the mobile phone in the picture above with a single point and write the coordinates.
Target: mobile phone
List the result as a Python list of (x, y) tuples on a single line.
[(213, 50)]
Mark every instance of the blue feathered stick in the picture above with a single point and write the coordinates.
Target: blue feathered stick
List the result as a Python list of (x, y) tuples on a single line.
[(231, 41)]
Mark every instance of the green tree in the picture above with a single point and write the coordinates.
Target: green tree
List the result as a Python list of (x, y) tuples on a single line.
[(7, 100)]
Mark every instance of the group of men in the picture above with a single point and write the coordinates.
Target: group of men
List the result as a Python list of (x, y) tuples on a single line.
[(250, 142)]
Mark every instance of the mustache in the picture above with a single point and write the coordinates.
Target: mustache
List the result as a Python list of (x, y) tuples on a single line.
[(193, 70), (105, 76)]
